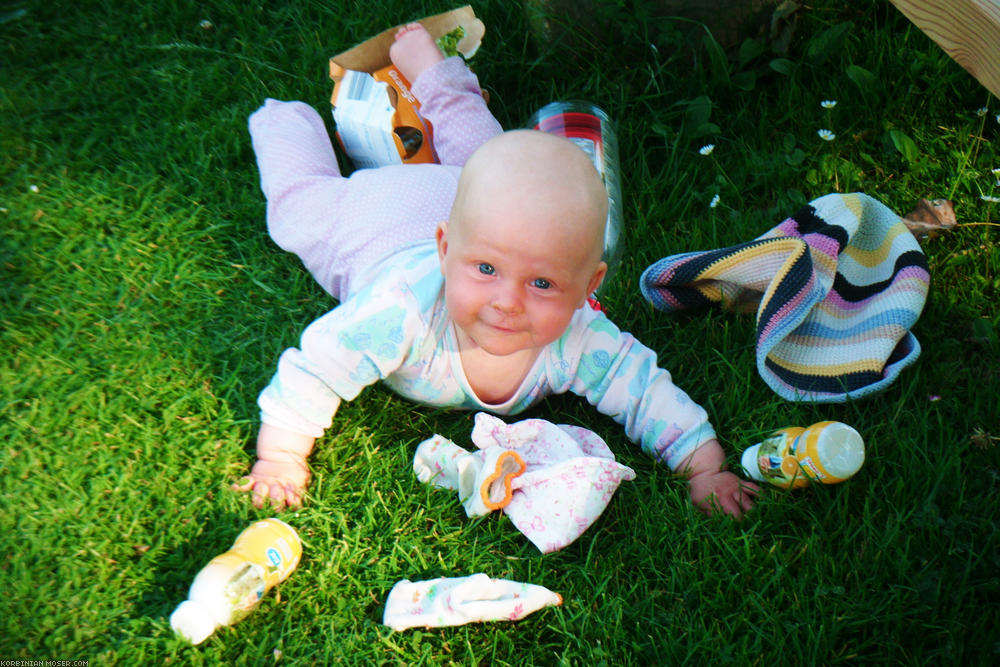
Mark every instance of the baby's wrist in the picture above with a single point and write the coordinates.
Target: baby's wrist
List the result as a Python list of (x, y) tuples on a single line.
[(282, 459), (276, 445), (707, 459)]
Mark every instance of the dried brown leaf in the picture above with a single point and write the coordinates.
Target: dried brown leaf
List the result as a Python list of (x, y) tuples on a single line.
[(983, 440), (931, 217)]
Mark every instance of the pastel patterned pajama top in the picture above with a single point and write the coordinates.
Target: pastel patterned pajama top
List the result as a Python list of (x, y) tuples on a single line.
[(396, 329)]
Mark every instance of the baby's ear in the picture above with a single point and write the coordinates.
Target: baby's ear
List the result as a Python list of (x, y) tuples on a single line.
[(597, 278), (441, 238)]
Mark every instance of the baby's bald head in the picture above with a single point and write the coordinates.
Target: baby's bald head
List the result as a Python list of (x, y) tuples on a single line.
[(528, 175)]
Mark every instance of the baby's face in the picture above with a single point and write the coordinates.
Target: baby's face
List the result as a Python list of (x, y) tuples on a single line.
[(513, 285)]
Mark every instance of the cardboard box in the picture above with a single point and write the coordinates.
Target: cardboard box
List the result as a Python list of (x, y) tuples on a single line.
[(378, 119)]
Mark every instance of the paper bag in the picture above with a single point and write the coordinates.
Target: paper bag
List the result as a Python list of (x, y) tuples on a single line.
[(378, 119)]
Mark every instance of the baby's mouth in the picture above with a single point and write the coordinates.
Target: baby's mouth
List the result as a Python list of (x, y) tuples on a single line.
[(502, 327)]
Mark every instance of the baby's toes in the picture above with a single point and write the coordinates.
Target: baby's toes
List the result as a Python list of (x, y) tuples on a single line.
[(409, 27)]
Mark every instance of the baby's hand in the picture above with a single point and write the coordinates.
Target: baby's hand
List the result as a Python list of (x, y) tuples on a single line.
[(722, 490), (280, 474), (279, 483)]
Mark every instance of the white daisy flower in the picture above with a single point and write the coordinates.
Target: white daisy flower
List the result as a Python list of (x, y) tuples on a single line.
[(206, 24), (826, 135), (828, 104), (996, 171), (982, 111), (33, 187), (992, 200), (707, 149), (714, 202)]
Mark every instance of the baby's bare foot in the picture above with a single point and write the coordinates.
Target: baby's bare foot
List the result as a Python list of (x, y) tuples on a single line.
[(414, 51)]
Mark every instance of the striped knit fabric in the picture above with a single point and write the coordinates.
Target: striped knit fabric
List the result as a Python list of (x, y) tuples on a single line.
[(836, 288)]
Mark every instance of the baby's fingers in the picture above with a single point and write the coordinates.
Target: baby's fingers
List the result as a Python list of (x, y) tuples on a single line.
[(280, 495), (245, 484), (742, 500), (276, 493), (273, 493), (262, 492), (746, 493), (293, 496)]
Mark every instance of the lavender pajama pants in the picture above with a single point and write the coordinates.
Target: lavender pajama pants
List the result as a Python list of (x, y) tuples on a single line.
[(339, 227)]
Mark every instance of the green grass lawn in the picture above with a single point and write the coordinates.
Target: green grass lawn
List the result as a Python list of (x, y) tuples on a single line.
[(144, 307)]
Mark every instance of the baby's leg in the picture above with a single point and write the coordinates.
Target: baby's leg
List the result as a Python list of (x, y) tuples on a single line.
[(340, 226), (414, 51), (291, 142), (449, 94), (300, 178)]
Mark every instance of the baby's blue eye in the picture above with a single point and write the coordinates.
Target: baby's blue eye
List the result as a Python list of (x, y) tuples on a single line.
[(487, 269), (541, 283)]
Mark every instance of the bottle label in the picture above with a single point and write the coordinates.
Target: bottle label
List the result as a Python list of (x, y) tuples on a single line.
[(244, 591), (583, 129), (273, 546), (777, 462)]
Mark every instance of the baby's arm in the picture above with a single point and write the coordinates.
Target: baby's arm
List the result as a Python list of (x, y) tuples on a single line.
[(363, 340), (621, 378), (712, 487), (280, 474)]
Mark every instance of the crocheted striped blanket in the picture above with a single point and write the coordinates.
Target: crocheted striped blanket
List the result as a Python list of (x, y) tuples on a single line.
[(836, 287)]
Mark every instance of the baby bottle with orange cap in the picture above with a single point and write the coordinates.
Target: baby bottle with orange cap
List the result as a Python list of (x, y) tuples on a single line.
[(825, 453), (232, 584)]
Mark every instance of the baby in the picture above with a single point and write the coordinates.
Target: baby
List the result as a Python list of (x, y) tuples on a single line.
[(461, 284)]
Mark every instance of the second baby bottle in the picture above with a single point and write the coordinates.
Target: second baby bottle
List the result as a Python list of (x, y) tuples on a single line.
[(232, 584), (825, 453)]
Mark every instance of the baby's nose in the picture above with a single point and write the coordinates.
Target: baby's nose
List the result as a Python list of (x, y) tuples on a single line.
[(508, 299)]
